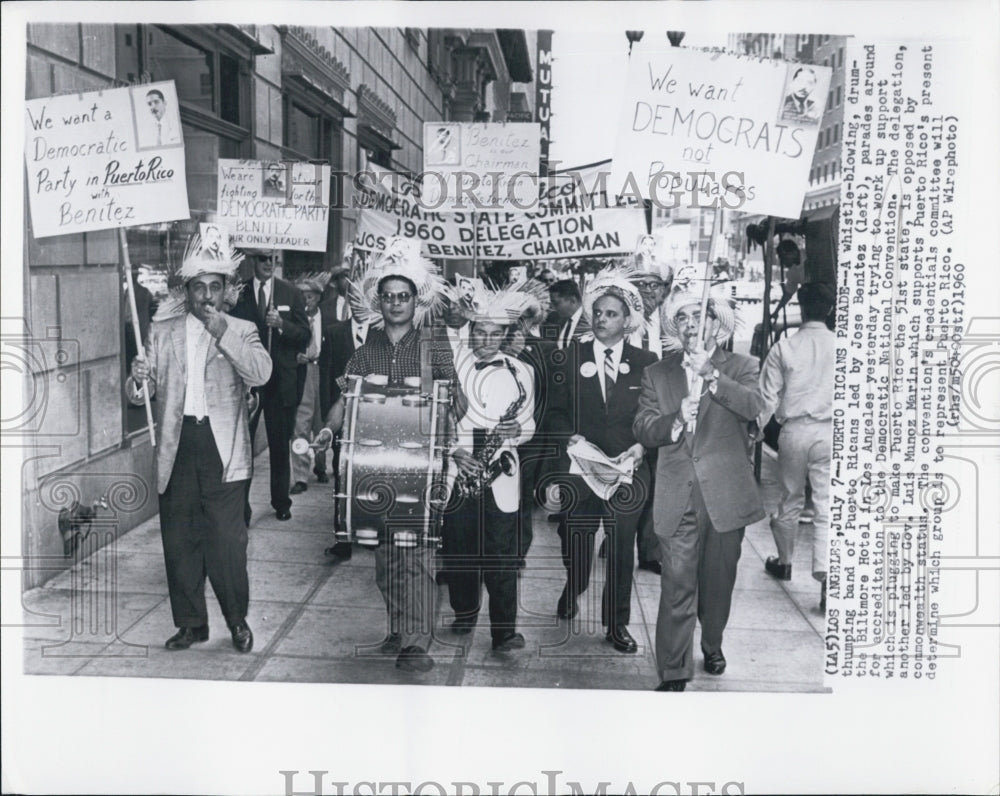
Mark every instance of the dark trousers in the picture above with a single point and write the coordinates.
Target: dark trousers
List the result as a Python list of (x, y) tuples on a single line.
[(645, 538), (279, 422), (620, 516), (204, 532), (699, 572), (480, 545)]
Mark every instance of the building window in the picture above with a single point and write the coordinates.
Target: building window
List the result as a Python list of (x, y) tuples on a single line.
[(840, 96), (840, 57)]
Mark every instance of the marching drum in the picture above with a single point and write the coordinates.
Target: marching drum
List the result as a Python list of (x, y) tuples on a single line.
[(392, 478)]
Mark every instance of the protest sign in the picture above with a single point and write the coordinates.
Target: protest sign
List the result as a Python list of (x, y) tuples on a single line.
[(488, 166), (565, 224), (275, 204), (105, 159), (739, 130)]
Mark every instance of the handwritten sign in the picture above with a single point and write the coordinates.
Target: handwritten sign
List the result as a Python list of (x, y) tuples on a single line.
[(739, 131), (105, 159), (564, 224), (481, 166), (275, 204)]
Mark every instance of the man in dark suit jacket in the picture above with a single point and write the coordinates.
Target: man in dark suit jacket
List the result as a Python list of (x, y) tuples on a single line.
[(566, 322), (695, 407), (344, 338), (602, 390), (277, 307)]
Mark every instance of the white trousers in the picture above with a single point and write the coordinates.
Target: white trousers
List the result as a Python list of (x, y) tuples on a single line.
[(804, 453)]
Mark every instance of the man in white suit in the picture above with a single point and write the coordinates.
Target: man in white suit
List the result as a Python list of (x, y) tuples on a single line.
[(199, 364)]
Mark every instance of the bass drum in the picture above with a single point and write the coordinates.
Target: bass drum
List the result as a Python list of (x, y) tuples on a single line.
[(392, 478)]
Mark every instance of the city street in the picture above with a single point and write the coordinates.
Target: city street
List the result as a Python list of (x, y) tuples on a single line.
[(315, 621)]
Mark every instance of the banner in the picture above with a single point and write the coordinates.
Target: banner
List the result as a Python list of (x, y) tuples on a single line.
[(564, 225), (105, 159), (490, 166), (275, 204), (731, 131)]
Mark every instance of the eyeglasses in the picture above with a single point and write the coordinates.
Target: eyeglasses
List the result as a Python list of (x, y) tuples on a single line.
[(395, 298), (650, 285)]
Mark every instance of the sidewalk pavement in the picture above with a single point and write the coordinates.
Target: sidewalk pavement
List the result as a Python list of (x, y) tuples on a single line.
[(314, 621)]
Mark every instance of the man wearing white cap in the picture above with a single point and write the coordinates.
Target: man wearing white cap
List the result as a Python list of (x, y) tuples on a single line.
[(695, 407), (480, 533), (199, 364)]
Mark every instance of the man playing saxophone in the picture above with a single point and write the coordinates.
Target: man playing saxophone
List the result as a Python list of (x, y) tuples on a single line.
[(480, 528)]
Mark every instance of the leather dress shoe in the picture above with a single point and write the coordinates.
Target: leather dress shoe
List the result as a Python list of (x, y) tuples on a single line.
[(566, 609), (778, 570), (511, 641), (414, 659), (672, 685), (391, 644), (298, 488), (715, 662), (283, 515), (322, 478), (341, 551), (651, 566), (622, 639), (242, 636), (187, 636)]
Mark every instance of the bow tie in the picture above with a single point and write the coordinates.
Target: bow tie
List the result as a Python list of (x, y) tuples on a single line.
[(483, 365)]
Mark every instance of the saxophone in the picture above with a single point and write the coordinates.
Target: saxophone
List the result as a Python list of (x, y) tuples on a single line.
[(473, 486)]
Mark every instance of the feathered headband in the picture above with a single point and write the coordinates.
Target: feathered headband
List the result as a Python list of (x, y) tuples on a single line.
[(401, 257), (198, 260), (612, 281), (315, 281), (503, 306)]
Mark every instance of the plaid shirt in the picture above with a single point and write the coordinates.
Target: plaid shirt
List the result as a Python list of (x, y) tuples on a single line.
[(399, 361)]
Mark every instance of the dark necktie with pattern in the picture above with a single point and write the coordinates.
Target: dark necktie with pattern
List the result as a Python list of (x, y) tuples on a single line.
[(610, 372)]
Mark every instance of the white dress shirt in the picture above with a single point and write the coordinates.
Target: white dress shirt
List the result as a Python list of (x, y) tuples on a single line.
[(197, 342), (797, 378), (458, 338), (316, 336), (268, 285), (652, 327), (616, 358)]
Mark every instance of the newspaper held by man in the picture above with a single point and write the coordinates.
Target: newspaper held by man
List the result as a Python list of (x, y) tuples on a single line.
[(602, 474)]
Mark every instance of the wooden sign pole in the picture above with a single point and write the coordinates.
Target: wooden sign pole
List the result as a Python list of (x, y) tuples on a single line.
[(137, 332)]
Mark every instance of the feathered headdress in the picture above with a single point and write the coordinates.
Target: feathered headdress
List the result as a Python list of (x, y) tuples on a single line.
[(199, 260), (505, 305), (401, 257), (616, 282), (314, 281)]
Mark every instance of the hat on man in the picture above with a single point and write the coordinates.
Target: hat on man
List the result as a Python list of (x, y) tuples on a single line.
[(617, 282), (401, 257), (720, 306), (198, 261)]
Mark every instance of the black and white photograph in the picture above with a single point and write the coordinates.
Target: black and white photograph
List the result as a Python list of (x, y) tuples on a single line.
[(454, 499), (157, 116)]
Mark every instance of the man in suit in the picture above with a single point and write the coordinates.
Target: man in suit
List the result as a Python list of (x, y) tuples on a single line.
[(345, 337), (695, 407), (566, 322), (602, 387), (648, 337), (314, 373), (199, 365), (279, 312)]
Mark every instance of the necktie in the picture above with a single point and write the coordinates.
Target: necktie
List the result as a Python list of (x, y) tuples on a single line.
[(159, 132), (609, 374), (359, 338), (482, 365), (262, 302), (645, 339), (345, 309)]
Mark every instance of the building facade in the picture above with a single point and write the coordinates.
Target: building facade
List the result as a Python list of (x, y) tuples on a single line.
[(348, 96)]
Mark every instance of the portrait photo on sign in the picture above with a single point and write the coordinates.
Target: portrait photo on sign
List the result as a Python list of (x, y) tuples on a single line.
[(803, 96), (273, 180), (156, 116), (443, 145), (214, 241)]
